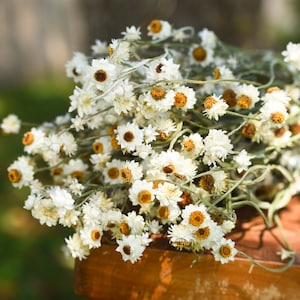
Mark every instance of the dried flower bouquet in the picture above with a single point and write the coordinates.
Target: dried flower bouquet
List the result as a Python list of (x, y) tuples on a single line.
[(165, 135)]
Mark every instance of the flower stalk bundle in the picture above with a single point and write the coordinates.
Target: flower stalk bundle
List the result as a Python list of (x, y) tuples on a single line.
[(165, 135)]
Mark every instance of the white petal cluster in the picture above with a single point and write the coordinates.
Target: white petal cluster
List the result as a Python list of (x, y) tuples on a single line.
[(166, 136)]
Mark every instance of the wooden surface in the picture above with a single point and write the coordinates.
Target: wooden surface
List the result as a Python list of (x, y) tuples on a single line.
[(166, 274)]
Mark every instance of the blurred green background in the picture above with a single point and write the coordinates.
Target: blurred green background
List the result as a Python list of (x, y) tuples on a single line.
[(37, 39)]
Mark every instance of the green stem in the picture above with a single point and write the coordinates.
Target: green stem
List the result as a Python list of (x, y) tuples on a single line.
[(274, 270)]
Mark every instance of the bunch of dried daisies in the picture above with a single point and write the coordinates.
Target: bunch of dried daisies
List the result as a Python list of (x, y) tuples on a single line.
[(165, 135)]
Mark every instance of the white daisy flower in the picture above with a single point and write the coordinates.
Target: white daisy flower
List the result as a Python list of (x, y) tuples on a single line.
[(99, 48), (180, 235), (61, 199), (136, 223), (159, 29), (142, 193), (69, 218), (11, 124), (77, 66), (208, 38), (67, 143), (132, 33), (101, 74), (75, 168), (91, 213), (185, 98), (153, 227), (132, 247), (99, 160), (131, 171), (216, 146), (111, 219), (129, 136), (195, 215), (111, 171), (46, 212), (227, 226), (275, 113), (91, 236), (20, 172), (122, 97), (247, 96), (102, 145), (207, 235), (201, 55), (34, 141), (168, 214), (224, 251), (192, 146), (242, 161), (172, 164), (276, 95), (78, 123), (31, 200), (215, 107), (163, 69), (168, 193), (76, 248), (83, 101), (119, 51), (292, 56)]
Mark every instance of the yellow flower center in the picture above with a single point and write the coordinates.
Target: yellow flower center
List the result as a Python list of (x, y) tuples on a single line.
[(295, 129), (207, 182), (273, 89), (155, 26), (100, 75), (168, 169), (199, 53), (128, 136), (156, 183), (77, 175), (98, 147), (196, 218), (217, 73), (189, 145), (158, 94), (185, 199), (277, 117), (126, 174), (111, 129), (124, 228), (248, 130), (127, 249), (230, 97), (14, 175), (280, 132), (180, 100), (209, 102), (110, 51), (162, 136), (225, 251), (144, 197), (158, 68), (57, 171), (28, 138), (114, 142), (203, 233), (244, 101), (163, 212), (113, 173), (95, 235)]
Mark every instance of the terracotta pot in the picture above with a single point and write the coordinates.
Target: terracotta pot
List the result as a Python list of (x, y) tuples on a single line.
[(163, 273)]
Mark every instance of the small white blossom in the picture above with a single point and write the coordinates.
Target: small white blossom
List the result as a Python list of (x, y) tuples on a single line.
[(11, 124)]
